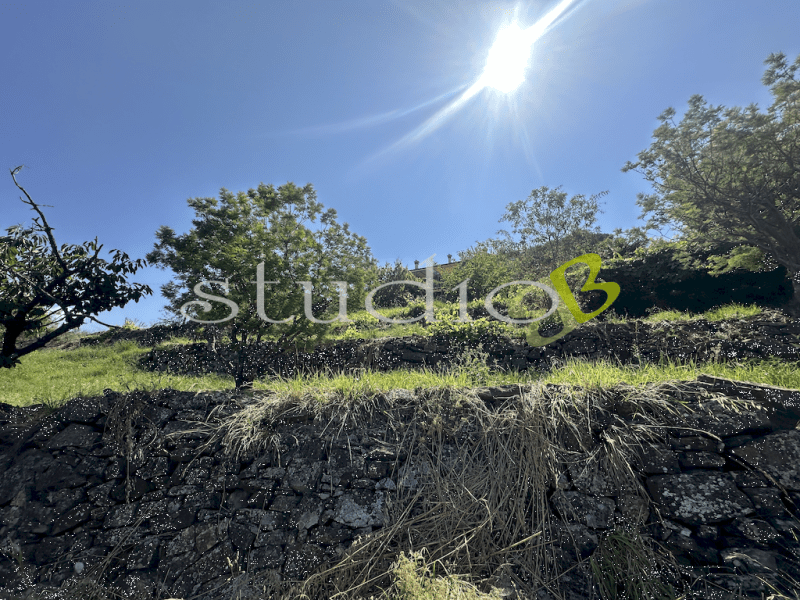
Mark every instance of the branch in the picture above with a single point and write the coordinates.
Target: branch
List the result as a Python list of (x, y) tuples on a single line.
[(47, 229)]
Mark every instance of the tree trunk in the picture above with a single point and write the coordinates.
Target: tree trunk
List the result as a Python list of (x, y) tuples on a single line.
[(244, 372)]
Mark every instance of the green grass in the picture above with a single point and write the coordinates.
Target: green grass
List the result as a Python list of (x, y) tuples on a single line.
[(729, 311), (55, 376), (607, 374)]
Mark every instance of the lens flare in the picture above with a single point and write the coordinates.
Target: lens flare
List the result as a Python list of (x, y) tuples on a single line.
[(508, 59)]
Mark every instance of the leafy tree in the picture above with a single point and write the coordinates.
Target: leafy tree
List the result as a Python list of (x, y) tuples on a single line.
[(395, 295), (46, 291), (269, 227), (484, 268), (623, 244), (732, 175), (559, 229)]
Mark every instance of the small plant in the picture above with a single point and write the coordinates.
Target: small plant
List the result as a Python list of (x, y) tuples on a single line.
[(416, 580), (471, 331), (473, 363), (132, 324)]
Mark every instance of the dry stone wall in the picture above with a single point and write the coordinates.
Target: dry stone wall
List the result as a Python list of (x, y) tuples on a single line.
[(627, 342), (136, 490)]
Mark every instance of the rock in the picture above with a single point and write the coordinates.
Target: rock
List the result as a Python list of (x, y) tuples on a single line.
[(84, 410), (353, 512), (699, 498), (700, 460), (590, 511), (750, 560), (777, 454), (781, 404), (754, 530), (76, 435), (656, 460), (767, 501), (302, 560), (70, 520)]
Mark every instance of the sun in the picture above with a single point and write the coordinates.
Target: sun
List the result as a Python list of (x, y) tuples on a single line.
[(508, 59)]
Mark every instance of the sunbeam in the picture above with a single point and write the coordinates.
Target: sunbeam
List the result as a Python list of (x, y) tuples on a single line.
[(504, 71)]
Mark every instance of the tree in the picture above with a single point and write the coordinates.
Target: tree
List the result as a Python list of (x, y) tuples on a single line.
[(265, 228), (558, 228), (395, 295), (484, 268), (46, 291), (732, 175)]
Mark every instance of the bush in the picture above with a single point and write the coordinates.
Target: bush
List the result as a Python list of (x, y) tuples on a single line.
[(673, 276)]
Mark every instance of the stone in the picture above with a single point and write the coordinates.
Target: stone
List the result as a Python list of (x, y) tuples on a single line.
[(591, 511), (173, 521), (136, 585), (750, 560), (696, 443), (144, 555), (76, 435), (777, 454), (73, 518), (84, 410), (657, 460), (781, 404), (754, 530), (302, 560), (241, 537), (220, 560), (766, 501), (588, 477), (699, 497), (331, 535), (265, 557), (700, 460), (353, 512)]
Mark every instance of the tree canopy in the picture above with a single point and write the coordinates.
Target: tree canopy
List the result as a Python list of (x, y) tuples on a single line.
[(732, 175), (557, 228), (47, 290), (271, 227)]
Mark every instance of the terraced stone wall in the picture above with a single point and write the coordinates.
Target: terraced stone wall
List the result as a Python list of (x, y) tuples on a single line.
[(137, 491), (626, 342)]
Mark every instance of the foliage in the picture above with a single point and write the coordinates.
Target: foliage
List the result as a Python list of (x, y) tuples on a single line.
[(470, 331), (270, 226), (681, 276), (623, 244), (473, 364), (484, 269), (560, 229), (731, 174), (46, 291), (623, 568), (395, 295)]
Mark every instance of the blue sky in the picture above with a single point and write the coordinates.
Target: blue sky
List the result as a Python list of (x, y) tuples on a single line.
[(121, 112)]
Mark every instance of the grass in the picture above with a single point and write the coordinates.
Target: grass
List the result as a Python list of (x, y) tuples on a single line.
[(729, 311), (53, 377)]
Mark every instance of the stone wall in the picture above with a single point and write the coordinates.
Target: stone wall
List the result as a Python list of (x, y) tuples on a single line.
[(626, 342), (137, 492)]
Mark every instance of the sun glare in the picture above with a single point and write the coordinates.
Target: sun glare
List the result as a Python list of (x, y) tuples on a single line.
[(505, 70), (508, 59)]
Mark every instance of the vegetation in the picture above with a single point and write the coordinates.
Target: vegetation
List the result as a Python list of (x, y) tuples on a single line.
[(54, 376), (731, 175), (262, 237), (547, 229), (46, 291)]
